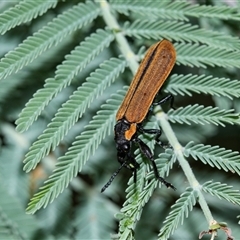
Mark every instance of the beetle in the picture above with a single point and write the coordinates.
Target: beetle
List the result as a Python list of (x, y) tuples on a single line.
[(151, 75)]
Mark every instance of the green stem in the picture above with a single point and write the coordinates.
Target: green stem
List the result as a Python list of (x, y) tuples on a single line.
[(121, 40), (178, 149)]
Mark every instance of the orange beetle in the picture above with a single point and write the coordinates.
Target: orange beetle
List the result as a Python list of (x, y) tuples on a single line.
[(151, 75)]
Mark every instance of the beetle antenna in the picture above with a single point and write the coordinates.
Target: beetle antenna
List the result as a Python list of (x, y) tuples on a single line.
[(112, 177)]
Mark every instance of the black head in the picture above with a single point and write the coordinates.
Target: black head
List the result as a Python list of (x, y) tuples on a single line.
[(123, 145)]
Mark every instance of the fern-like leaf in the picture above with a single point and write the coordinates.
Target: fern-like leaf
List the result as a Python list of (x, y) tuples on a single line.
[(180, 210), (83, 54), (74, 63), (137, 197), (23, 12), (148, 8), (215, 156), (222, 191), (70, 112), (14, 221), (201, 115), (185, 84), (177, 10), (179, 31), (85, 145), (93, 207), (48, 36), (201, 56)]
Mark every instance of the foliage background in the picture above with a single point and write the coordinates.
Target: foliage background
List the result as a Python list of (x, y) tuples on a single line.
[(81, 211)]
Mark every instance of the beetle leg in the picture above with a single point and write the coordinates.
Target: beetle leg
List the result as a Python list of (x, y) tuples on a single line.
[(169, 97), (158, 133), (148, 153), (129, 162)]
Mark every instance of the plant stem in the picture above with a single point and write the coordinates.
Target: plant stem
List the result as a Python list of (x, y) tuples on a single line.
[(178, 149), (121, 40)]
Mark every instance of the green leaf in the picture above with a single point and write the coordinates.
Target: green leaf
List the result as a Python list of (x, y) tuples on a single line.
[(200, 115), (14, 222), (24, 12), (85, 145), (50, 35), (74, 63), (185, 84), (222, 191), (179, 31), (94, 218), (73, 109), (203, 56), (177, 10), (179, 211), (215, 156)]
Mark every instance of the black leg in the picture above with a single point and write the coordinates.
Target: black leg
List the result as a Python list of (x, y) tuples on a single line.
[(128, 160), (165, 99), (157, 132), (148, 153)]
